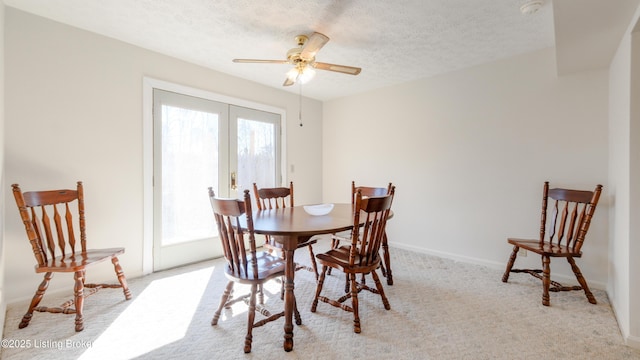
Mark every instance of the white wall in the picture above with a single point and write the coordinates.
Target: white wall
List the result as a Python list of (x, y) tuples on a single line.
[(624, 177), (74, 112), (634, 194), (619, 112), (469, 152)]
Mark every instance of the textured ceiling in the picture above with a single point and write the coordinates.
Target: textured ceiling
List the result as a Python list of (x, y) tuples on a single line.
[(392, 41)]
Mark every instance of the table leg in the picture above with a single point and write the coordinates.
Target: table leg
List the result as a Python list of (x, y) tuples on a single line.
[(289, 299)]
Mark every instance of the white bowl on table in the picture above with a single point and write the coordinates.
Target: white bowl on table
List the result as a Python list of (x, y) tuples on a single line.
[(318, 210)]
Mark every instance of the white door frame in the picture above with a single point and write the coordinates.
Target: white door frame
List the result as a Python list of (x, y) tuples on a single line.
[(148, 84)]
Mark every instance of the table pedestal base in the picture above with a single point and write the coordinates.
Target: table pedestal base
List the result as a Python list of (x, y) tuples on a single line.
[(289, 298)]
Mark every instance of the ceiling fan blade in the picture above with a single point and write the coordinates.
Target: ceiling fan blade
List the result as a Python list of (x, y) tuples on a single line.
[(315, 42), (259, 61), (288, 82), (337, 68)]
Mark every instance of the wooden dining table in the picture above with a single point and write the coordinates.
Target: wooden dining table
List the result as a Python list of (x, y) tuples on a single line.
[(289, 226)]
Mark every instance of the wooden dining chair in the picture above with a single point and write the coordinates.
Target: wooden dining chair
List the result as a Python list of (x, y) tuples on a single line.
[(279, 198), (48, 218), (385, 267), (562, 234), (361, 256), (245, 265)]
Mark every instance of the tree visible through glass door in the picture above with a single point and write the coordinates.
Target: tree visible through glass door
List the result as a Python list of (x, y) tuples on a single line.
[(200, 143)]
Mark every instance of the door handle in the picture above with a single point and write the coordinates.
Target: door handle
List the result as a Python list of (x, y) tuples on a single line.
[(233, 181)]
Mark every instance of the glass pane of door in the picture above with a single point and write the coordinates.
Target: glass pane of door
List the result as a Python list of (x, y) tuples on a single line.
[(200, 143), (190, 154), (189, 165), (257, 155)]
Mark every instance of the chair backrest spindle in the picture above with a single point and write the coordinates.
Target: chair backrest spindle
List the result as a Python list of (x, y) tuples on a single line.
[(365, 244), (571, 213), (368, 191), (48, 218), (227, 213), (49, 221), (273, 198)]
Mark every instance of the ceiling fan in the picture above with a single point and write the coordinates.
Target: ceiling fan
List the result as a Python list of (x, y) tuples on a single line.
[(303, 58)]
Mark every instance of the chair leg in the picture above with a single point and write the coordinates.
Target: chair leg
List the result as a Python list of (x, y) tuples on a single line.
[(581, 280), (260, 295), (296, 313), (334, 245), (347, 286), (313, 262), (546, 279), (282, 288), (121, 278), (385, 301), (282, 279), (37, 297), (354, 303), (251, 317), (314, 305), (387, 261), (231, 294), (223, 301), (512, 260), (78, 293)]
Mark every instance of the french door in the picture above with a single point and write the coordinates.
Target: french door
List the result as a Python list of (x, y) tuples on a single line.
[(201, 143)]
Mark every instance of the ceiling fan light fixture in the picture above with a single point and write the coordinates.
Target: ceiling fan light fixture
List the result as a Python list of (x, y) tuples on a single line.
[(301, 74), (292, 74), (306, 75), (531, 7)]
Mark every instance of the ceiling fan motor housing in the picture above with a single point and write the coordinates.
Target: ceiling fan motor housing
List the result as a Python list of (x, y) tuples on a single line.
[(293, 55)]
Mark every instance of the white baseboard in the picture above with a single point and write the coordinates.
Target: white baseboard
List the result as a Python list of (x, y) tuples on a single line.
[(446, 255), (490, 264), (633, 342), (50, 293)]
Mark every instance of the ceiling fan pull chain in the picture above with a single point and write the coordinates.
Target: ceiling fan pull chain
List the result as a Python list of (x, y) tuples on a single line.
[(300, 105)]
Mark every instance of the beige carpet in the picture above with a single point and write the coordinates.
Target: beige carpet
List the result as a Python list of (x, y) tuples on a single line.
[(441, 309)]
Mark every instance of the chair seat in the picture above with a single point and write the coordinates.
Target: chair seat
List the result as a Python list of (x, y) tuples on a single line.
[(339, 259), (73, 263), (54, 220), (546, 248), (245, 264), (384, 266), (361, 256), (564, 221), (269, 266)]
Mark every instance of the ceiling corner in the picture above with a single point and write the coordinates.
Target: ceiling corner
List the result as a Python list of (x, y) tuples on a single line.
[(588, 32)]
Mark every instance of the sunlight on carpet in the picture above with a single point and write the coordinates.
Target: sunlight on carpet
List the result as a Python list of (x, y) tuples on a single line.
[(156, 323), (440, 309)]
